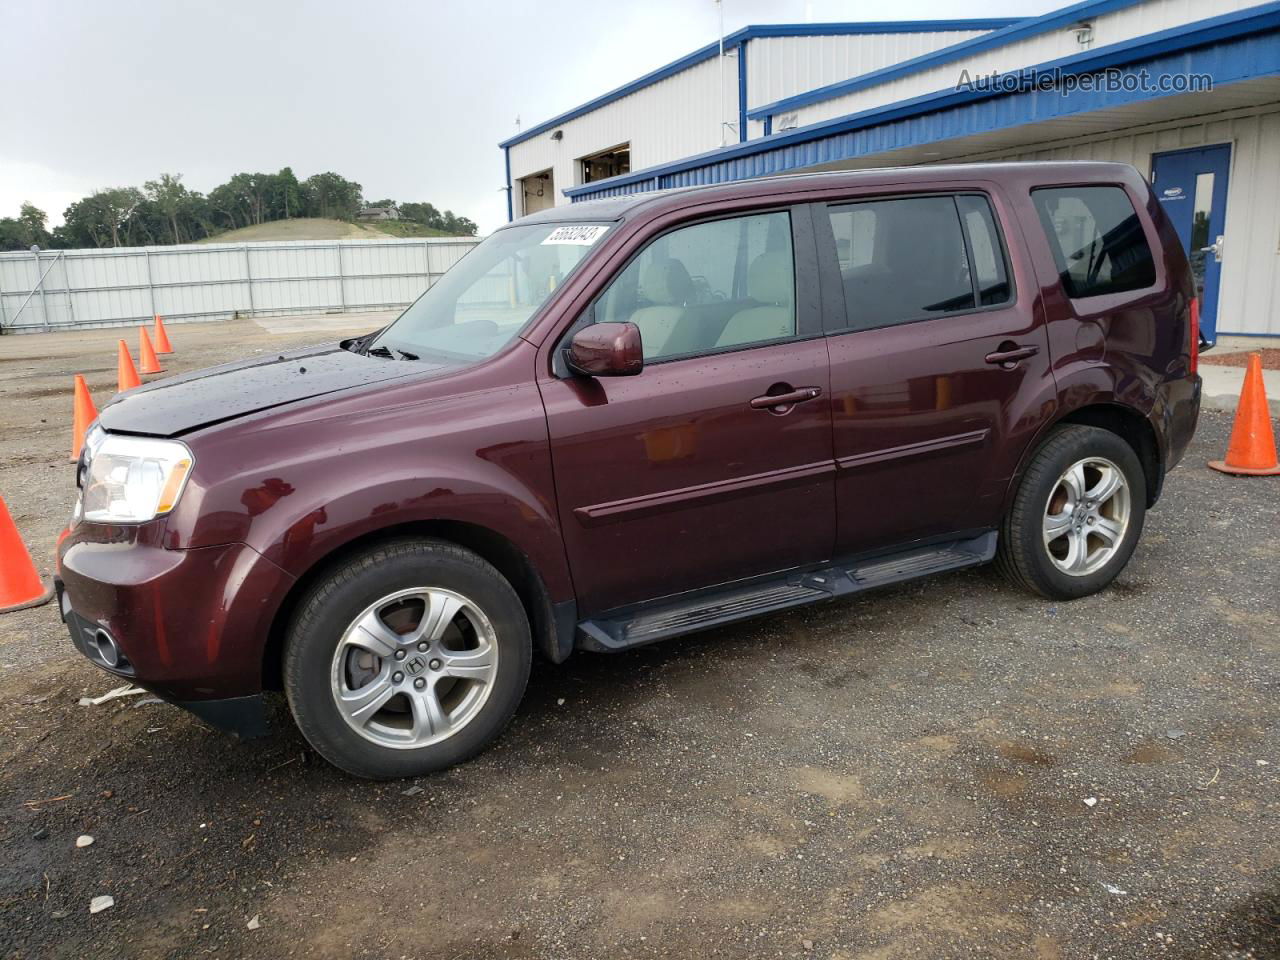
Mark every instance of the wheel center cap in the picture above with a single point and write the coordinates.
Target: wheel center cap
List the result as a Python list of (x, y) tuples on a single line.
[(415, 666)]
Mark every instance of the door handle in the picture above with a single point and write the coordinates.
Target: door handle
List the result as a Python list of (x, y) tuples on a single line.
[(1215, 248), (770, 401), (1010, 353)]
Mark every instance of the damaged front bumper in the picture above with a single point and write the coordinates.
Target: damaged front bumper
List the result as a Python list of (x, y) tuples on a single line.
[(191, 626)]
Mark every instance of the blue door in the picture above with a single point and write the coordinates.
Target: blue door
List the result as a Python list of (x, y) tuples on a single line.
[(1192, 187)]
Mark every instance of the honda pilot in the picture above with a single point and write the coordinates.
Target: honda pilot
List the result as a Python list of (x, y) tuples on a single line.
[(624, 421)]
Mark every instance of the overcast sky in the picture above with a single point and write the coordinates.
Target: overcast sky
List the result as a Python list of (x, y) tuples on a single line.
[(408, 99)]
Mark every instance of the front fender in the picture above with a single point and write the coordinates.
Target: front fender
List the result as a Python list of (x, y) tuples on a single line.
[(296, 491)]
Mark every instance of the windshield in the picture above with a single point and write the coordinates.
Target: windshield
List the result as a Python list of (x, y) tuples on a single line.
[(481, 304)]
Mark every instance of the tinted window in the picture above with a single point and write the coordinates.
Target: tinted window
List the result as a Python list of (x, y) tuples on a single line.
[(1097, 240), (708, 287), (989, 268), (902, 260)]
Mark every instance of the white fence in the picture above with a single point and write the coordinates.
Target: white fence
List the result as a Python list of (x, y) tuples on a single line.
[(64, 289)]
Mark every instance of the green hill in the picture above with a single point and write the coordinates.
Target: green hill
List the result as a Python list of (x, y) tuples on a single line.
[(315, 228)]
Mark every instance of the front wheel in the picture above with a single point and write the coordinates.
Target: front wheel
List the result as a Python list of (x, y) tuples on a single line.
[(1077, 514), (408, 658)]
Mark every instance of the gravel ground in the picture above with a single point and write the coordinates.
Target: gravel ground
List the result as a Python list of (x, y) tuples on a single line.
[(945, 769)]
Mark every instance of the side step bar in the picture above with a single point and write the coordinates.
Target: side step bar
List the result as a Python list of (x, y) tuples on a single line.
[(691, 613)]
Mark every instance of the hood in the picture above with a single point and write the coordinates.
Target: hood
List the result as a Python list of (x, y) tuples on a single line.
[(183, 403)]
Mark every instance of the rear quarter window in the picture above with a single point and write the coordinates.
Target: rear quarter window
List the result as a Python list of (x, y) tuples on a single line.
[(1097, 240)]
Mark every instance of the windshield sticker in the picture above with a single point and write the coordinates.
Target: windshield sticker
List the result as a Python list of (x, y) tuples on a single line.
[(582, 235)]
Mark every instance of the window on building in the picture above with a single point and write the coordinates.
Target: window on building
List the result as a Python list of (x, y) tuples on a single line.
[(609, 163), (712, 286), (1097, 240), (904, 260), (537, 192)]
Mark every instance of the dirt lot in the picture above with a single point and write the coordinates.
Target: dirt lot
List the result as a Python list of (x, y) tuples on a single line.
[(941, 770)]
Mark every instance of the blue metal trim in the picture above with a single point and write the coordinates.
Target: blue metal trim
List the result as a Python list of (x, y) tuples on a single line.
[(1256, 20), (1017, 31), (879, 26), (742, 93), (506, 153), (740, 37)]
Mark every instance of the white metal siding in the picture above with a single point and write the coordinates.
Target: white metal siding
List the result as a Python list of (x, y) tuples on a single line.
[(1250, 279), (215, 281), (681, 115), (673, 118), (1110, 28), (780, 67)]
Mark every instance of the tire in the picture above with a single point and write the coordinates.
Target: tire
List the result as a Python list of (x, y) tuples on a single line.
[(431, 676), (1027, 556)]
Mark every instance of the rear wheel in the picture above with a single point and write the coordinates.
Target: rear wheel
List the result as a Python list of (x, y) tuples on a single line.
[(408, 658), (1077, 514)]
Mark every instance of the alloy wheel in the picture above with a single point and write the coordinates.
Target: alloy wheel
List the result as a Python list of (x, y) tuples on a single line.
[(1087, 516), (414, 668)]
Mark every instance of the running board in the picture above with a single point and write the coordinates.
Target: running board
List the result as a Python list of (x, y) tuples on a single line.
[(691, 613)]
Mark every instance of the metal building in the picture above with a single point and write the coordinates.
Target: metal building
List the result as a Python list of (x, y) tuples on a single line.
[(1187, 93)]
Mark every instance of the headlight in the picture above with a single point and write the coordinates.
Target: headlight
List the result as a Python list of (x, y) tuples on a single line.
[(131, 479)]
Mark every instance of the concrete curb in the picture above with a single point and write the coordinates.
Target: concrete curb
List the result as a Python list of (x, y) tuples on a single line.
[(1221, 389), (1226, 402)]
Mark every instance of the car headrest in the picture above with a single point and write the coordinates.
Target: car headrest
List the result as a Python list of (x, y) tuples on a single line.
[(666, 282), (770, 279)]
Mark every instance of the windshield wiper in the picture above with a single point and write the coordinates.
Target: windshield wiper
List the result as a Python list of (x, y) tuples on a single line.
[(384, 351)]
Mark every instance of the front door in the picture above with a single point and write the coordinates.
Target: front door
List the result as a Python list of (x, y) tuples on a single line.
[(684, 476), (939, 369), (1192, 188)]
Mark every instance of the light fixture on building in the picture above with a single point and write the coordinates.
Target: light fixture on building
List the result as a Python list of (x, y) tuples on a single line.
[(558, 135), (1083, 32)]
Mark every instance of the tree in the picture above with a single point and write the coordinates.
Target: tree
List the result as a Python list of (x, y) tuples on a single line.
[(423, 213), (330, 195), (285, 192), (225, 204), (171, 197), (28, 228), (102, 219), (165, 211)]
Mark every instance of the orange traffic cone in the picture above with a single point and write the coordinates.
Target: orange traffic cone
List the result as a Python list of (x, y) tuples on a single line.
[(163, 345), (20, 585), (126, 374), (1252, 448), (147, 362), (83, 413)]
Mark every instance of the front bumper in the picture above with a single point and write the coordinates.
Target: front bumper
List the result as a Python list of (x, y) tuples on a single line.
[(190, 625), (245, 717)]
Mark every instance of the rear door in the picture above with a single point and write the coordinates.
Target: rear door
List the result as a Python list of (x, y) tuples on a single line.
[(939, 364), (683, 476)]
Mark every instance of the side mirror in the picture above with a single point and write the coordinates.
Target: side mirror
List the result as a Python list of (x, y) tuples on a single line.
[(606, 350)]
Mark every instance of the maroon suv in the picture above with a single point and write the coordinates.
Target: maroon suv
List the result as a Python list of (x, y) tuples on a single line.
[(622, 421)]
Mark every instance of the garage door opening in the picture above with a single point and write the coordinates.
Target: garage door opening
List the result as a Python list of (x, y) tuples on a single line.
[(609, 163), (538, 192)]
